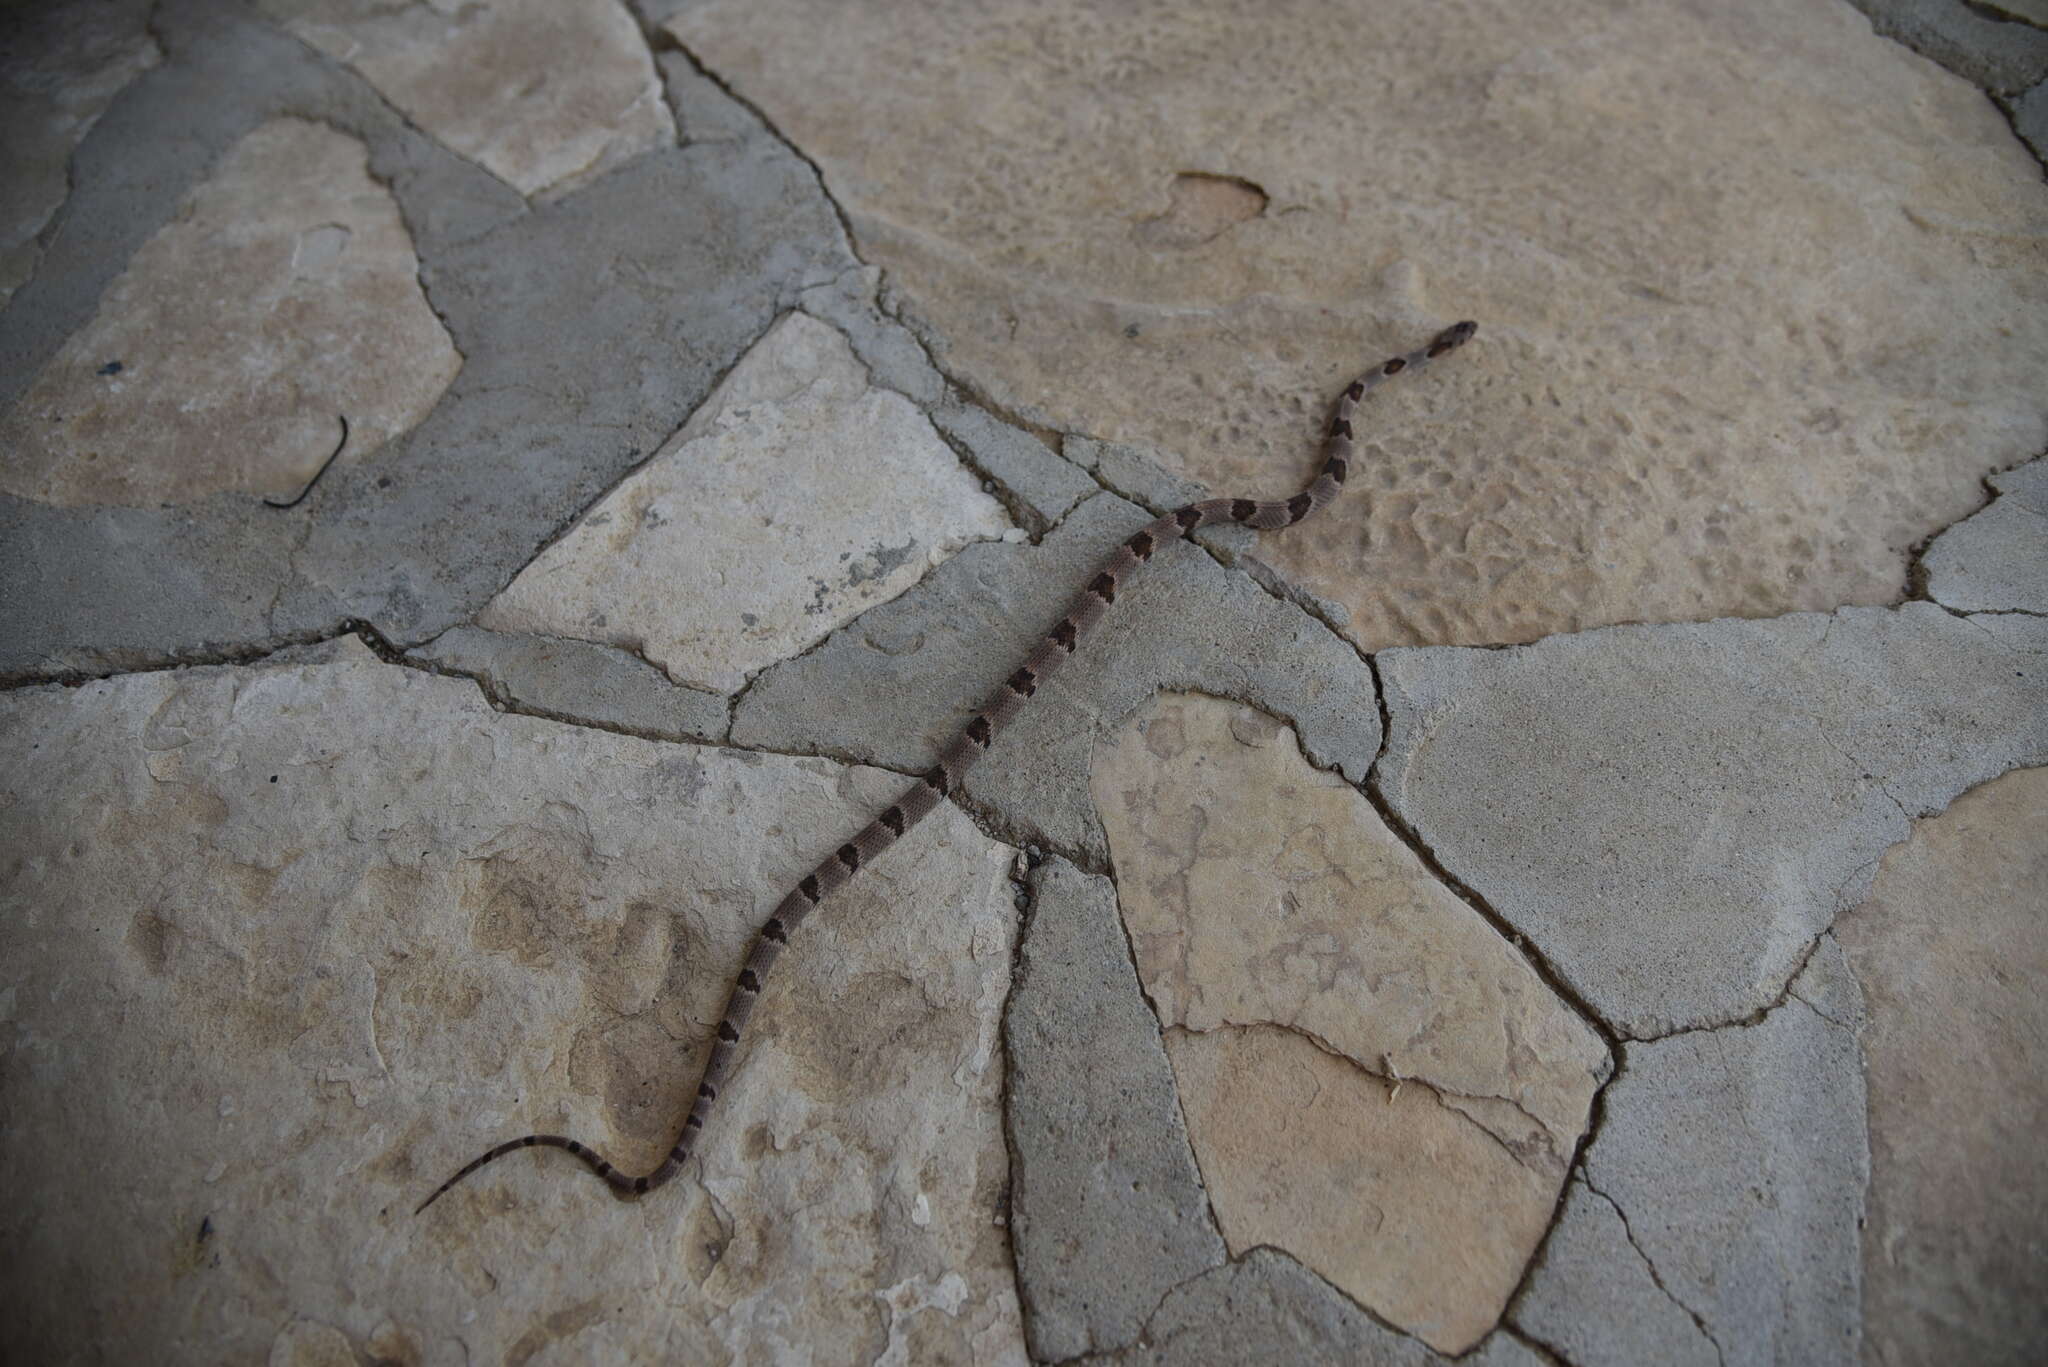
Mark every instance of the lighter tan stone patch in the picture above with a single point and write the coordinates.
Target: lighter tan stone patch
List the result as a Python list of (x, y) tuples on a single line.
[(1381, 1189), (797, 497), (1759, 292), (1951, 949), (281, 297), (469, 925), (544, 94), (1258, 891)]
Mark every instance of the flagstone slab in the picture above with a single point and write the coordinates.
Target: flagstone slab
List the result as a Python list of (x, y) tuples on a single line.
[(286, 944), (1375, 1080), (545, 94), (1758, 290), (1996, 560), (797, 497), (275, 321), (1672, 814), (60, 66), (1951, 948)]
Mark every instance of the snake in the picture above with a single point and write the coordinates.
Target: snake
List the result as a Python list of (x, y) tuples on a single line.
[(943, 779)]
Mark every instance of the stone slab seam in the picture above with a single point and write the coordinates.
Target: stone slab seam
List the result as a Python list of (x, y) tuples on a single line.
[(1628, 1231)]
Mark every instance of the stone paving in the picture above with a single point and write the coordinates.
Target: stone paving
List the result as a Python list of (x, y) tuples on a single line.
[(490, 493)]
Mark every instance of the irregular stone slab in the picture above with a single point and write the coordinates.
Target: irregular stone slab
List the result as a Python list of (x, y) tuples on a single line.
[(1047, 486), (1996, 560), (2030, 119), (1265, 1308), (1258, 890), (1701, 385), (283, 296), (1388, 1190), (797, 497), (276, 1013), (546, 94), (1595, 1301), (1951, 949), (62, 67), (647, 285), (1671, 814), (1107, 1211), (1973, 40), (1738, 1161), (897, 685), (577, 681)]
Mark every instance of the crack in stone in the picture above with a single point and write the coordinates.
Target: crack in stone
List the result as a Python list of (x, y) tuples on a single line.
[(1699, 1321)]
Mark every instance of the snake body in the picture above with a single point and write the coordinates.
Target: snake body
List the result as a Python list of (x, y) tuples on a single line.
[(944, 778)]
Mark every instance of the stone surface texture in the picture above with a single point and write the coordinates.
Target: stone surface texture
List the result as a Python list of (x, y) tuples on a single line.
[(1107, 1209), (1997, 44), (60, 66), (1595, 1300), (1724, 259), (1672, 815), (1951, 949), (1996, 560), (286, 944), (1736, 1159), (797, 497), (1374, 1079), (576, 681), (284, 294), (544, 94)]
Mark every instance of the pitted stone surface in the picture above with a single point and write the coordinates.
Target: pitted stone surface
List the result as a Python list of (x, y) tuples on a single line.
[(285, 944), (1266, 1308), (283, 294), (60, 66), (1951, 949), (1387, 1190), (590, 327), (1739, 350), (1594, 1298), (1997, 560), (796, 498), (1107, 1211), (577, 681), (1671, 814), (1258, 890), (1738, 1161), (896, 686), (545, 94)]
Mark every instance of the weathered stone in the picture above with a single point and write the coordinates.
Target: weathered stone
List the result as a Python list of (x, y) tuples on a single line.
[(60, 66), (897, 685), (1258, 890), (577, 681), (752, 509), (1141, 476), (1736, 1158), (546, 94), (2030, 119), (590, 327), (890, 351), (1264, 1308), (286, 944), (1951, 949), (1388, 1190), (1671, 814), (1739, 351), (282, 296), (1995, 561), (1972, 39), (1048, 486), (1594, 1300), (1107, 1211)]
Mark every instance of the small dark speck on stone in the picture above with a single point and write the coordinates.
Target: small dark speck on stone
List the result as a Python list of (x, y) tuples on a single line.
[(749, 618), (205, 1228), (383, 481), (1131, 331), (112, 368), (273, 778)]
